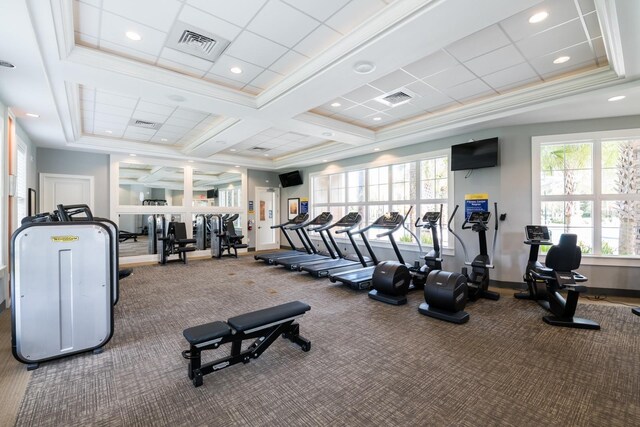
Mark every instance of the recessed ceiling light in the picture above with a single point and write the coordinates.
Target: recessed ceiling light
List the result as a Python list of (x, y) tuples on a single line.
[(538, 17), (364, 67), (232, 149), (561, 59), (132, 155), (190, 161), (377, 119), (616, 98), (237, 166), (325, 161), (236, 70), (376, 149), (34, 115), (327, 133), (132, 35), (163, 139), (336, 104), (266, 155), (6, 64), (108, 131), (177, 98)]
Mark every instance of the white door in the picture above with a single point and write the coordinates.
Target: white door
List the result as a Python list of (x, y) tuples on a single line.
[(56, 189), (267, 215)]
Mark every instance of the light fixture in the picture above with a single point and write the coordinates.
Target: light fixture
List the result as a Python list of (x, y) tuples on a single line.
[(327, 133), (163, 139), (237, 166), (364, 67), (34, 115), (177, 98), (377, 119), (108, 131), (266, 155), (561, 59), (538, 17), (236, 70), (376, 149), (133, 155), (132, 35), (616, 98), (6, 64), (325, 161), (232, 149), (190, 161), (336, 104)]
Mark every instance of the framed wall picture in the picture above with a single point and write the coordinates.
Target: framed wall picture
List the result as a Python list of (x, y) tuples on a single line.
[(294, 207), (32, 202)]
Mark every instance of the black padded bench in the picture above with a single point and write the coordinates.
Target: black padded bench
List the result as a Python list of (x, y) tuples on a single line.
[(263, 325)]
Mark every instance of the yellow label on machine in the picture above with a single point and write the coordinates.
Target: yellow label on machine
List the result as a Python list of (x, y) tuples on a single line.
[(64, 239), (476, 196)]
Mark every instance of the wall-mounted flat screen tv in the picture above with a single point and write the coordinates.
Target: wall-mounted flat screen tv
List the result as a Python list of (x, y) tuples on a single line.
[(475, 155), (290, 179), (212, 194)]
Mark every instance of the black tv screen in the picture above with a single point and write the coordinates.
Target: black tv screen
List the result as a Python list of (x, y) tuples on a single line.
[(475, 155), (212, 194), (290, 179)]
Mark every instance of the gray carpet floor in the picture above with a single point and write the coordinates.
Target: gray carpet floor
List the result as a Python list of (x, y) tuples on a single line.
[(370, 363)]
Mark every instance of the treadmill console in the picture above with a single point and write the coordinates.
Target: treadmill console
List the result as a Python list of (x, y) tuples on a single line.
[(390, 219), (431, 217), (300, 218), (479, 217), (537, 233), (322, 219), (349, 219)]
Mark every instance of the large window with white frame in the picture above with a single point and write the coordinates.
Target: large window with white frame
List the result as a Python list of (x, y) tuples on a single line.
[(588, 184), (422, 182)]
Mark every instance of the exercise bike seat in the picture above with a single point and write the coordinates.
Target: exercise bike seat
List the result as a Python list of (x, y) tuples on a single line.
[(268, 316)]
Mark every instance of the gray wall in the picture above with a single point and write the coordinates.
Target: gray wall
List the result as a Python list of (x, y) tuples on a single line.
[(257, 178), (79, 163), (509, 185)]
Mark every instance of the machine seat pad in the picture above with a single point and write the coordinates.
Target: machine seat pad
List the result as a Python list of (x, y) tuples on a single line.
[(267, 316), (185, 249), (206, 332), (240, 245)]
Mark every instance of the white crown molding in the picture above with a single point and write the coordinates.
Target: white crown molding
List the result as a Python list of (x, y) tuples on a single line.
[(62, 14), (73, 102), (346, 132), (608, 17), (221, 126)]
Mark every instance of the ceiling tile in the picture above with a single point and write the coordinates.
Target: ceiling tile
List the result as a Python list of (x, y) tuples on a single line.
[(288, 62), (95, 3), (158, 14), (574, 67), (149, 117), (210, 23), (152, 107), (518, 27), (478, 43), (469, 90), (320, 10), (180, 68), (86, 19), (507, 77), (405, 111), (552, 40), (599, 49), (236, 12), (358, 112), (429, 97), (586, 6), (126, 52), (116, 111), (353, 14), (140, 131), (391, 81), (113, 29), (579, 54), (497, 60), (431, 64), (363, 94), (177, 121), (266, 79), (273, 132), (110, 119), (518, 85), (593, 26), (185, 59), (292, 25), (451, 77), (320, 39), (224, 64), (255, 49), (173, 129), (109, 98), (234, 84), (184, 113)]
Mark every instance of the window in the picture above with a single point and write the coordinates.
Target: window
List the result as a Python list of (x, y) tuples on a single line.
[(21, 183), (229, 197), (588, 185), (422, 183)]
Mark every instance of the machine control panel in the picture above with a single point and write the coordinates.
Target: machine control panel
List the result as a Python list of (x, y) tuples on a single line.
[(389, 220), (431, 217), (322, 219), (479, 217), (300, 218), (537, 234), (349, 219)]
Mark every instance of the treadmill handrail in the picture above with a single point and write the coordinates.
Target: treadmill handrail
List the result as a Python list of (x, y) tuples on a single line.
[(386, 233)]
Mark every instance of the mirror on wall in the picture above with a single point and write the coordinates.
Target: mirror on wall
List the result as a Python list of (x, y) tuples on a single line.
[(150, 185), (139, 232), (216, 188)]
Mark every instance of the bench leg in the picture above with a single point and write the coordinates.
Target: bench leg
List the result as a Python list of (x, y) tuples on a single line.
[(293, 335)]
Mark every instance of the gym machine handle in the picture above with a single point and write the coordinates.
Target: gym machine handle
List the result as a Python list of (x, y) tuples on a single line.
[(394, 229), (66, 212)]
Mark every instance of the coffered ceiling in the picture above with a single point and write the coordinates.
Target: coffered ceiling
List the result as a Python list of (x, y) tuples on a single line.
[(275, 84)]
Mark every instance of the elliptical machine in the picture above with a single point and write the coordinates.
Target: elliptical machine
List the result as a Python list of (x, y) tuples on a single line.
[(432, 259)]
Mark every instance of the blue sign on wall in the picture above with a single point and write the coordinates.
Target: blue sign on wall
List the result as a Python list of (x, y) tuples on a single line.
[(475, 203)]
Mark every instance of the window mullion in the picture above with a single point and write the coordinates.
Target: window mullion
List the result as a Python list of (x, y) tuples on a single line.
[(597, 190)]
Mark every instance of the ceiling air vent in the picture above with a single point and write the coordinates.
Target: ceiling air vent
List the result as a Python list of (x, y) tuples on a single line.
[(196, 41), (144, 124), (259, 149), (396, 97)]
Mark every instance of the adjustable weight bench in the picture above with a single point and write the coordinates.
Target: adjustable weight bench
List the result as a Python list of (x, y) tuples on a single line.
[(265, 325)]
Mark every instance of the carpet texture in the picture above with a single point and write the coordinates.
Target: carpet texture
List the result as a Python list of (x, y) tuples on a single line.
[(370, 363)]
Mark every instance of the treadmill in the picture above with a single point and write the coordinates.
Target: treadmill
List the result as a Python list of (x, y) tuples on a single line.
[(344, 262), (302, 218), (322, 223), (361, 278)]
